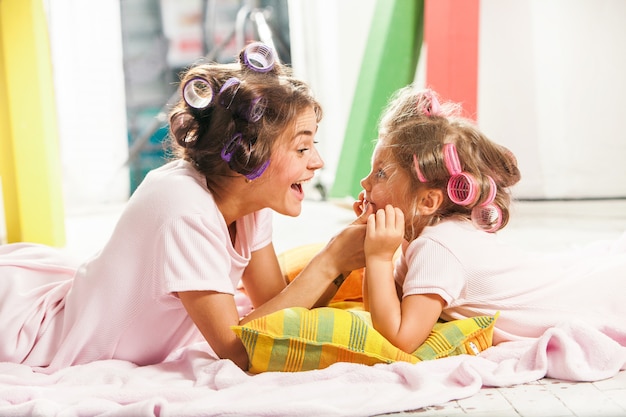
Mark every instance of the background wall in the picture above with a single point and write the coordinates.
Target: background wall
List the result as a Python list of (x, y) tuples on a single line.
[(550, 87)]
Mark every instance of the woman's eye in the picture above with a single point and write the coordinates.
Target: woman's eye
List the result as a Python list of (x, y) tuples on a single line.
[(380, 174), (303, 150)]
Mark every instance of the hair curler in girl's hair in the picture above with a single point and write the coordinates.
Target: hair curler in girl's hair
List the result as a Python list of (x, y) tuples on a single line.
[(462, 187), (420, 176), (488, 216), (198, 93), (432, 107), (259, 57)]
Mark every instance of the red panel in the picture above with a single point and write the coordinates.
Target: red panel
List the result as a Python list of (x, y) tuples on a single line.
[(451, 37)]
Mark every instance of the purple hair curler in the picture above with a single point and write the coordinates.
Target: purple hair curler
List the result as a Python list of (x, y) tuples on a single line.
[(257, 172), (259, 57), (230, 83), (198, 93), (257, 109), (229, 148)]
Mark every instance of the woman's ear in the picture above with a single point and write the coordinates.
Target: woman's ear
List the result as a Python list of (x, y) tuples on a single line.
[(429, 201)]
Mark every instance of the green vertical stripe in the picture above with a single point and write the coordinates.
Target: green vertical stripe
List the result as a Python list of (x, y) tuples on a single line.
[(389, 62)]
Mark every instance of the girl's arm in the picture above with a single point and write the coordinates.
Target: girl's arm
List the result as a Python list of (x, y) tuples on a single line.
[(405, 323)]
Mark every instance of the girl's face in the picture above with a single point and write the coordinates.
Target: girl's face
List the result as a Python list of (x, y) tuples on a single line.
[(385, 184), (293, 162)]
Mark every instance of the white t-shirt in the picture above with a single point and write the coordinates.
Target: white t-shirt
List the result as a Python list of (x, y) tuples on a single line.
[(476, 274), (121, 303)]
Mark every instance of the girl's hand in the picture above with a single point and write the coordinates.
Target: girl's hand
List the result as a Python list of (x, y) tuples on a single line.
[(384, 233)]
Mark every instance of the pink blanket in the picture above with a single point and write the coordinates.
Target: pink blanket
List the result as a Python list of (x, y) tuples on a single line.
[(194, 383)]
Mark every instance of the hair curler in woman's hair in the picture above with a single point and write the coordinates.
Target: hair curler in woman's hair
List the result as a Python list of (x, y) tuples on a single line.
[(228, 91), (250, 110), (488, 216), (257, 172), (256, 110), (259, 57), (198, 93), (462, 187), (229, 148)]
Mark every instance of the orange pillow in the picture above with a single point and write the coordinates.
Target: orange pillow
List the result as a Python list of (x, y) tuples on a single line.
[(293, 261)]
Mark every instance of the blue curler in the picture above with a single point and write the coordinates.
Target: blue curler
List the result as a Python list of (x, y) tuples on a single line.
[(198, 93), (259, 57)]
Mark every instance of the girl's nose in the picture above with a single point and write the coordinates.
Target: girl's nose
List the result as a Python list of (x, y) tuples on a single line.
[(364, 183)]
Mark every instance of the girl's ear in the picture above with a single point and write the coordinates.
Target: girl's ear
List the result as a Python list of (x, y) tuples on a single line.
[(429, 201)]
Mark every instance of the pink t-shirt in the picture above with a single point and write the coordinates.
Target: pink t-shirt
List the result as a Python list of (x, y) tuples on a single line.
[(476, 274), (121, 303)]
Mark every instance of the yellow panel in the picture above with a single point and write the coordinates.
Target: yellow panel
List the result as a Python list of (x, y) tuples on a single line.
[(31, 171)]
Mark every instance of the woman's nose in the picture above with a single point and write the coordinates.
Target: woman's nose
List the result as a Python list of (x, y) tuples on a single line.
[(316, 161)]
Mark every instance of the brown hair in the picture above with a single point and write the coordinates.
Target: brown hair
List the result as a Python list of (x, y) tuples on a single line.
[(201, 135)]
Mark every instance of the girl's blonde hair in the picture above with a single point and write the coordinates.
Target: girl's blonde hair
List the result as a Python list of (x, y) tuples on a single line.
[(415, 127)]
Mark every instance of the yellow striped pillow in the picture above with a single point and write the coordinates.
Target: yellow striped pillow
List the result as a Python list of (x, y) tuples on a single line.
[(298, 339)]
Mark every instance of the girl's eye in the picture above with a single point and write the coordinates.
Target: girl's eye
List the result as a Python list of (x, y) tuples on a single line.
[(380, 174)]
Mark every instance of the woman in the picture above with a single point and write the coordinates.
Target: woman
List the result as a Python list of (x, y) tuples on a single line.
[(193, 230)]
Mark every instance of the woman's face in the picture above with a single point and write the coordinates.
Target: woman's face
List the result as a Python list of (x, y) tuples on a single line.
[(293, 162), (385, 184)]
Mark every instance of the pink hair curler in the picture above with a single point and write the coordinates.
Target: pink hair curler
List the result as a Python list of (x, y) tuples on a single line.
[(433, 108), (420, 176), (462, 187), (198, 93), (259, 57), (488, 216)]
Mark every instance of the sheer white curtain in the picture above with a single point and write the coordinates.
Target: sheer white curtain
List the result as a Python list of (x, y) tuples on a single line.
[(86, 48), (328, 39)]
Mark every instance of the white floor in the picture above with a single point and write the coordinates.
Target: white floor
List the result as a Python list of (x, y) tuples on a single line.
[(535, 225)]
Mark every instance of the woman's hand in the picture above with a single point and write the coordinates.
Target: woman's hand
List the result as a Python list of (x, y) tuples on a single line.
[(345, 249)]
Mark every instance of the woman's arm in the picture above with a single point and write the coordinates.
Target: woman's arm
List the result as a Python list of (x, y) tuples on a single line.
[(263, 278), (317, 283), (214, 313)]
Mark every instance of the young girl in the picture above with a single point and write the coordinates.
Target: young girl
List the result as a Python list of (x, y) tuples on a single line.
[(194, 230), (440, 190)]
